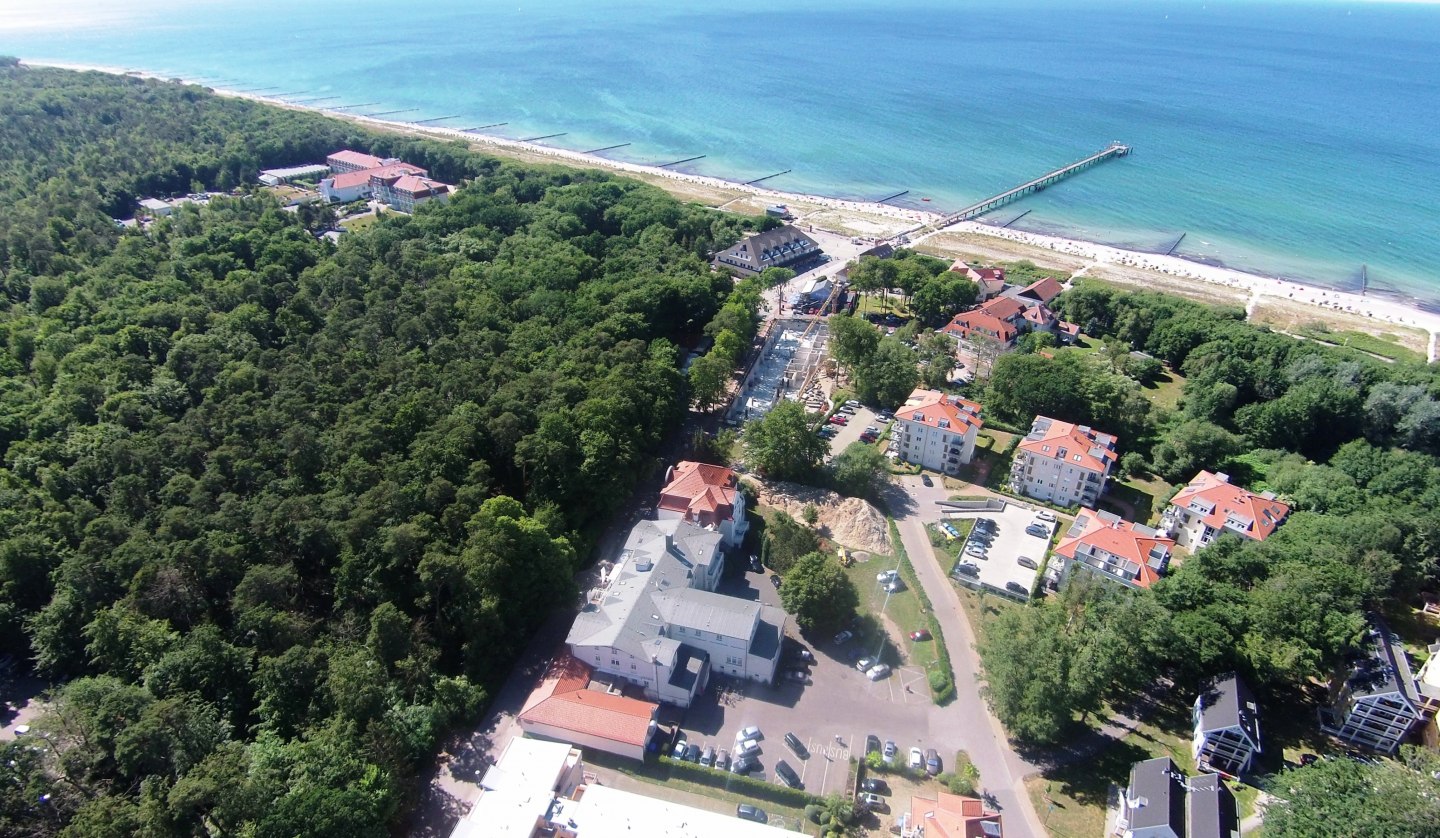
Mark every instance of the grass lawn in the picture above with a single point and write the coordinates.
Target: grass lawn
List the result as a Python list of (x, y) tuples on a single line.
[(1137, 499), (1166, 390), (903, 611), (678, 790), (355, 225), (875, 304)]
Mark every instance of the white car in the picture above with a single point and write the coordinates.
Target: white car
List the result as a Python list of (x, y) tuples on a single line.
[(885, 575), (917, 759), (751, 732), (747, 747), (865, 663), (877, 672), (1045, 515), (889, 753)]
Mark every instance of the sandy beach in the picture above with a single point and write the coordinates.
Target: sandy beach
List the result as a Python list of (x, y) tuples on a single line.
[(1379, 315)]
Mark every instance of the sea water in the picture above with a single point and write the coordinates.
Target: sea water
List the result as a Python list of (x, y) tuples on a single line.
[(1295, 139)]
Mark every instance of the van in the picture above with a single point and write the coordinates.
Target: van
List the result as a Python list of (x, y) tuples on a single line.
[(1026, 561)]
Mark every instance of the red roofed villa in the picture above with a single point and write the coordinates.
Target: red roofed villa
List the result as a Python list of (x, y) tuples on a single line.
[(396, 183), (567, 707), (990, 280), (1062, 463), (1006, 318), (705, 495), (1211, 504), (1106, 544), (949, 816), (937, 431)]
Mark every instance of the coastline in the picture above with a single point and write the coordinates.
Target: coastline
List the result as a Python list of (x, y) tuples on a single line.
[(1368, 312)]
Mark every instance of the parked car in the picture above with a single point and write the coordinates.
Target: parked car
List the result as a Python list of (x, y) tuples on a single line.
[(842, 638), (746, 748), (871, 429), (968, 569), (865, 663), (932, 762), (775, 579), (838, 419), (788, 775), (1017, 588), (751, 732), (872, 744), (922, 634), (975, 550), (799, 676), (852, 403), (868, 437), (917, 759), (1038, 530), (874, 785), (985, 524), (800, 653), (1045, 515), (679, 752), (925, 478), (894, 586), (797, 746), (1026, 561), (692, 752), (878, 671), (755, 566), (888, 754), (744, 765), (886, 575), (872, 802), (707, 756), (746, 812), (722, 760)]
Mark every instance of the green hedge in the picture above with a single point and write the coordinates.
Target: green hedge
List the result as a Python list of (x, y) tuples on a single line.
[(942, 681), (739, 783)]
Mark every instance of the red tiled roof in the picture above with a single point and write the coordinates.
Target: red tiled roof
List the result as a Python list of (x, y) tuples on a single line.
[(419, 186), (348, 180), (1039, 315), (951, 816), (1043, 290), (563, 700), (1118, 538), (1005, 308), (1086, 448), (356, 158), (1227, 501), (1068, 328), (930, 407), (705, 493)]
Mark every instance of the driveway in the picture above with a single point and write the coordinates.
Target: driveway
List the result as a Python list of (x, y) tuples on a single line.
[(967, 722), (1000, 569)]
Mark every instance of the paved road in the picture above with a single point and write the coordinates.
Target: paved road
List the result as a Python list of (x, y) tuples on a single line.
[(1002, 771)]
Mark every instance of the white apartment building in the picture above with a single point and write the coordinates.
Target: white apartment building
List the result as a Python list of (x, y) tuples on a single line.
[(655, 621), (937, 431), (1211, 504), (706, 495), (1063, 464)]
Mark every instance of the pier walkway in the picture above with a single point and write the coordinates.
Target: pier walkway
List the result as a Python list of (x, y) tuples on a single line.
[(975, 210)]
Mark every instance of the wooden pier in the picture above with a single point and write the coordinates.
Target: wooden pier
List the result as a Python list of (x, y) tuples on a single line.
[(976, 210)]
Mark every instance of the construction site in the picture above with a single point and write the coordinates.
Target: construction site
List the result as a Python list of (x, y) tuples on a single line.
[(790, 366)]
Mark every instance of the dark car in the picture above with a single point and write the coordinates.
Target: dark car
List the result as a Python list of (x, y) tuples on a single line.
[(968, 569), (925, 478), (1017, 588), (787, 775), (744, 765), (775, 579), (692, 752), (797, 746), (755, 566), (874, 786), (746, 812), (872, 744), (932, 762)]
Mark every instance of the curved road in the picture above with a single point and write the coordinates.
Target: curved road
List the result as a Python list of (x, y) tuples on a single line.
[(1002, 771)]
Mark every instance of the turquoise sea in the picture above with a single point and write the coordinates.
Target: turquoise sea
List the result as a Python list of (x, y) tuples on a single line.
[(1299, 139)]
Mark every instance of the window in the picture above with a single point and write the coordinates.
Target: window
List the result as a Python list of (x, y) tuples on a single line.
[(614, 662)]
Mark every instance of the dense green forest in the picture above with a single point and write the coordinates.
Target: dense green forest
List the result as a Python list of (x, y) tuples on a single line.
[(276, 514)]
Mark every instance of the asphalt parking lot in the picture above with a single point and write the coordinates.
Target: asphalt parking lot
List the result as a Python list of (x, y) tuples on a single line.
[(831, 713), (864, 417), (1000, 569)]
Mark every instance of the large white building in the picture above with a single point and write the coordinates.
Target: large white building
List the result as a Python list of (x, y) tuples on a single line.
[(1211, 504), (1061, 463), (655, 622), (706, 495), (937, 431), (541, 789), (1104, 543)]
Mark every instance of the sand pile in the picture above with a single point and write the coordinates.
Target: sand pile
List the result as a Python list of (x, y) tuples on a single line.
[(849, 521)]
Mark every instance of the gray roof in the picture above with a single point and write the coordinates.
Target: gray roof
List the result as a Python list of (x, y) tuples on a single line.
[(1156, 796), (654, 572), (1380, 667), (1210, 809), (772, 248), (1226, 702), (705, 611), (768, 632)]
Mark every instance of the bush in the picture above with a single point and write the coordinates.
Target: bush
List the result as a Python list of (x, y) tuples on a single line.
[(758, 789), (813, 812)]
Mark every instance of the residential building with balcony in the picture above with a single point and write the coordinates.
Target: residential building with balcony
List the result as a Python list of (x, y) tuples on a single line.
[(991, 281), (1063, 464), (1104, 543), (949, 815), (655, 621), (937, 431), (1210, 504), (1374, 702), (1161, 802), (1226, 724), (777, 248)]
